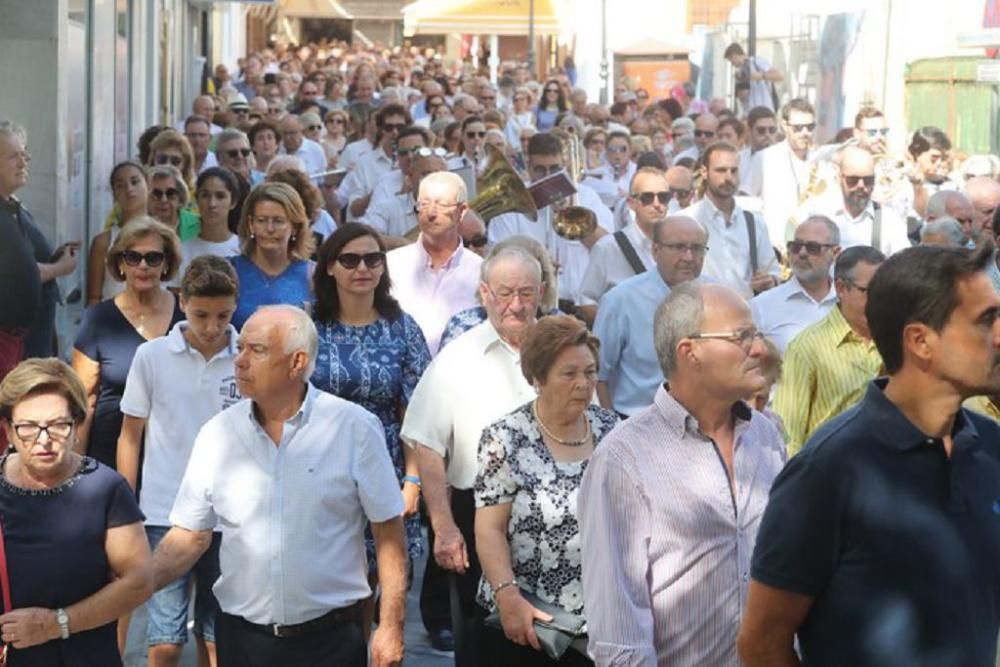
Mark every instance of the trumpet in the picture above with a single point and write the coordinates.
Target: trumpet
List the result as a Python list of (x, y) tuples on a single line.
[(570, 220)]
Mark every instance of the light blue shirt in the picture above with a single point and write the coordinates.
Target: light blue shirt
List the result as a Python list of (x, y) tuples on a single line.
[(624, 326)]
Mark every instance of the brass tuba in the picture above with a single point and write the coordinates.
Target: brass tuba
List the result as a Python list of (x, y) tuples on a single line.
[(570, 220), (501, 190)]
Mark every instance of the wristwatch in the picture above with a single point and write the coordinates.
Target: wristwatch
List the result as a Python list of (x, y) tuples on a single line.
[(63, 619)]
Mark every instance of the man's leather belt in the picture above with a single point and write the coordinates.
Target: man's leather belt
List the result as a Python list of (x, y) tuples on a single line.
[(351, 614)]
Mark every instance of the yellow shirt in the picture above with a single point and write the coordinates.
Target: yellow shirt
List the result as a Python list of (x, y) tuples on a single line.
[(984, 406), (825, 371)]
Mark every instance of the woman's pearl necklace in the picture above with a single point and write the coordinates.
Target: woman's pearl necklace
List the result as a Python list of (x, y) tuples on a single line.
[(551, 436)]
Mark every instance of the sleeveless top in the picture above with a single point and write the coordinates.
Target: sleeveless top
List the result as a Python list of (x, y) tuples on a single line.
[(292, 286)]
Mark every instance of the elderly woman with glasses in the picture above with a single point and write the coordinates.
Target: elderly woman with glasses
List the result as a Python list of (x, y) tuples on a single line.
[(531, 463), (75, 548), (168, 201), (130, 189), (145, 256), (275, 245), (370, 352)]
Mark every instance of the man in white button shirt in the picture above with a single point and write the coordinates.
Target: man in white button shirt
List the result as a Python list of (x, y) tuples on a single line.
[(781, 313), (739, 248), (374, 166), (295, 143), (474, 381), (292, 475), (436, 277), (611, 181), (393, 216), (544, 159), (861, 220), (627, 252)]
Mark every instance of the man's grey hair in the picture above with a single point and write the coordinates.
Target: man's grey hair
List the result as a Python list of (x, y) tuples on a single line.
[(10, 129), (679, 316), (682, 123), (944, 227), (445, 178), (285, 163), (937, 205), (510, 253), (300, 334), (228, 135), (831, 226)]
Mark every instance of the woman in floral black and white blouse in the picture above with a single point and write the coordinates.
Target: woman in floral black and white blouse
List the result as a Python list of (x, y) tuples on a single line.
[(530, 465)]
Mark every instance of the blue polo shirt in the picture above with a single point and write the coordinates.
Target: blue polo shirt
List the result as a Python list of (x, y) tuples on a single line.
[(897, 544)]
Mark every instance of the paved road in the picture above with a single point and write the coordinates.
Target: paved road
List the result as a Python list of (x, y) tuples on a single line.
[(418, 651)]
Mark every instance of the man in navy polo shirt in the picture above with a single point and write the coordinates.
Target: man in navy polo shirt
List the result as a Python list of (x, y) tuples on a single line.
[(880, 541)]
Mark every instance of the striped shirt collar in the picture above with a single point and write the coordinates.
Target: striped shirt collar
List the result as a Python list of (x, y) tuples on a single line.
[(840, 331), (679, 420)]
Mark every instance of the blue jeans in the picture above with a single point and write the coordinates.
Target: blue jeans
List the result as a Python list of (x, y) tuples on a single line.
[(168, 608)]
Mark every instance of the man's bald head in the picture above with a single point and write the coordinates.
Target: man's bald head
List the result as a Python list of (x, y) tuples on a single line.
[(984, 194)]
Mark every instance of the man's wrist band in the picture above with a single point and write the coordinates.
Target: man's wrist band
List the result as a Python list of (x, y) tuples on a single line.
[(412, 479)]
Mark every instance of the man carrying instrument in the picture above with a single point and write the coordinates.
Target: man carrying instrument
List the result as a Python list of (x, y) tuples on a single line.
[(571, 256)]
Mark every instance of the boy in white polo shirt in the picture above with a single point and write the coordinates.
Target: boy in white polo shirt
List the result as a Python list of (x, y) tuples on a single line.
[(175, 385)]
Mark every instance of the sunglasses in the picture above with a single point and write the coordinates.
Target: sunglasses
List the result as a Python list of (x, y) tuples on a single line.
[(473, 135), (799, 127), (812, 247), (707, 134), (873, 132), (169, 193), (424, 151), (552, 90), (646, 198), (542, 170), (314, 128), (351, 260), (680, 194), (854, 181), (393, 127), (153, 259), (475, 242), (617, 149), (235, 153), (174, 160), (765, 129)]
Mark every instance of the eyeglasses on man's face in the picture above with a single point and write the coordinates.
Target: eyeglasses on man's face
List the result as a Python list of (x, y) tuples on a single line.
[(812, 247), (745, 338)]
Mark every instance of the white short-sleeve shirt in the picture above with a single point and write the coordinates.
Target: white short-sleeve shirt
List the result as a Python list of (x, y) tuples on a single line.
[(174, 388), (608, 266), (293, 515)]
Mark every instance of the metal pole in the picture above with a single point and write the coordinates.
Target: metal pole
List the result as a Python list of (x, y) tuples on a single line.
[(752, 30), (604, 52), (531, 36)]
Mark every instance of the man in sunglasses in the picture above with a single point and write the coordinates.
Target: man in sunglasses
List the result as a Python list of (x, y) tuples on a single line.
[(705, 127), (740, 253), (762, 128), (232, 150), (787, 174), (861, 220), (473, 137), (781, 313), (359, 185), (628, 251)]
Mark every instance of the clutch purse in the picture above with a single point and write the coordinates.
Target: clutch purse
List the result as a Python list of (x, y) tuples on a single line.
[(565, 630)]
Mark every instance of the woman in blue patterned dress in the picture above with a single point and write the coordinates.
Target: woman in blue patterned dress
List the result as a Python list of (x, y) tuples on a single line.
[(370, 351)]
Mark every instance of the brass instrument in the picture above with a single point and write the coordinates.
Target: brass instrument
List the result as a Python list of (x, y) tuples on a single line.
[(570, 220), (501, 190)]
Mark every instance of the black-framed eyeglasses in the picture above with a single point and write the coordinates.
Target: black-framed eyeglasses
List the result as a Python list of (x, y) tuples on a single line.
[(351, 260), (799, 127), (854, 181), (552, 90), (235, 153), (812, 247), (745, 338), (696, 249), (153, 258), (765, 129), (169, 193), (175, 160), (56, 431), (475, 241), (704, 134), (646, 198)]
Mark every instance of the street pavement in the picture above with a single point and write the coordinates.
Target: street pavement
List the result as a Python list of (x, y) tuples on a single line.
[(418, 650)]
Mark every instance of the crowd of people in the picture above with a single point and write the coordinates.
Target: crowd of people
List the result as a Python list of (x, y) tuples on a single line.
[(744, 412)]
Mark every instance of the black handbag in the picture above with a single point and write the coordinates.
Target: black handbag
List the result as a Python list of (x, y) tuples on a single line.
[(564, 631)]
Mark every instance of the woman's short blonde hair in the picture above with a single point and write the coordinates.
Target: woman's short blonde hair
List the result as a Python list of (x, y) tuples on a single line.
[(301, 242), (140, 228), (43, 376), (547, 339)]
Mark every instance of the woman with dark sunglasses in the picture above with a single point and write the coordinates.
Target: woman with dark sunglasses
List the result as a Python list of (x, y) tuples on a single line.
[(370, 353), (550, 105)]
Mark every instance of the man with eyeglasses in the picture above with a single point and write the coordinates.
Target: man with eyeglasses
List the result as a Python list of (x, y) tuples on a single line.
[(861, 220), (740, 252), (705, 127), (571, 257), (487, 96), (232, 150), (762, 128), (628, 251), (474, 381), (783, 312), (828, 365), (629, 373), (297, 145), (359, 185), (435, 277), (892, 184), (393, 213), (787, 173), (671, 501)]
